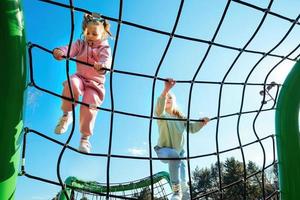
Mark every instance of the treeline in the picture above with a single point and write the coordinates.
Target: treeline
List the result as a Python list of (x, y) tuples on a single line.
[(206, 184)]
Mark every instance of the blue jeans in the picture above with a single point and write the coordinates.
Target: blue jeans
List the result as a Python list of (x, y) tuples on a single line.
[(176, 167)]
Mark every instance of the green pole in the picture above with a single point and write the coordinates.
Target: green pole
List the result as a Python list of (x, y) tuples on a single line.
[(288, 138), (12, 82)]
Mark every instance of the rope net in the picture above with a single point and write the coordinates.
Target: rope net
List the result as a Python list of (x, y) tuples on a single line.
[(268, 91)]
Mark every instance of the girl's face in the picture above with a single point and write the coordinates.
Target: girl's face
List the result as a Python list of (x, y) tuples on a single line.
[(93, 32), (169, 101)]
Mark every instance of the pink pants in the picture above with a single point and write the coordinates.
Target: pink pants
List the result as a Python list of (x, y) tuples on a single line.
[(93, 94)]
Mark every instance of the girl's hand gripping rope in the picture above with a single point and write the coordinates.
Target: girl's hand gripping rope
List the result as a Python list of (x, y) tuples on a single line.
[(58, 54)]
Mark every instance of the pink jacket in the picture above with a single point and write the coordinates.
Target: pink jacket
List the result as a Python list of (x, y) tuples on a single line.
[(99, 52)]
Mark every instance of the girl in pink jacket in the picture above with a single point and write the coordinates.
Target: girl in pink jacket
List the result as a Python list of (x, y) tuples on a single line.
[(87, 82)]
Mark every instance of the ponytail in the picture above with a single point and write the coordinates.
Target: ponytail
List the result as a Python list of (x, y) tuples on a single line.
[(107, 27), (178, 114)]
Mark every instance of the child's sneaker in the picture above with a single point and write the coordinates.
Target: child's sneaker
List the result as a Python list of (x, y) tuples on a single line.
[(177, 195), (84, 146), (185, 191), (63, 124)]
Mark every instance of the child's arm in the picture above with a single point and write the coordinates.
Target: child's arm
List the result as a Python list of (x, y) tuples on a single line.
[(105, 60), (196, 126), (59, 52), (161, 101), (160, 105)]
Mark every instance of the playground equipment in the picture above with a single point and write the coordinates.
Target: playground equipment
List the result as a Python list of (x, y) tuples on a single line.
[(13, 48)]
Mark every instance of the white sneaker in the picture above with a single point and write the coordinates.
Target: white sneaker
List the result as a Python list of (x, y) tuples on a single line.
[(85, 146), (177, 195), (185, 191), (63, 124)]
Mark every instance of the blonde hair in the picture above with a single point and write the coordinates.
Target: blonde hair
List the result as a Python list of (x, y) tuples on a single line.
[(96, 19), (175, 109)]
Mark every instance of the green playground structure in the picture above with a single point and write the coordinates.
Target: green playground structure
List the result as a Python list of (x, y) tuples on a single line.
[(287, 135), (129, 189), (13, 81)]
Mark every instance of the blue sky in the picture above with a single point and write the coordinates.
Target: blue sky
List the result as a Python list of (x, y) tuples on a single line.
[(140, 51)]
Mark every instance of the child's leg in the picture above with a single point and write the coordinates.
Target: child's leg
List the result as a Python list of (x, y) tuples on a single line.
[(173, 164), (182, 167), (64, 121), (183, 171), (88, 115), (184, 186), (77, 87), (183, 183)]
